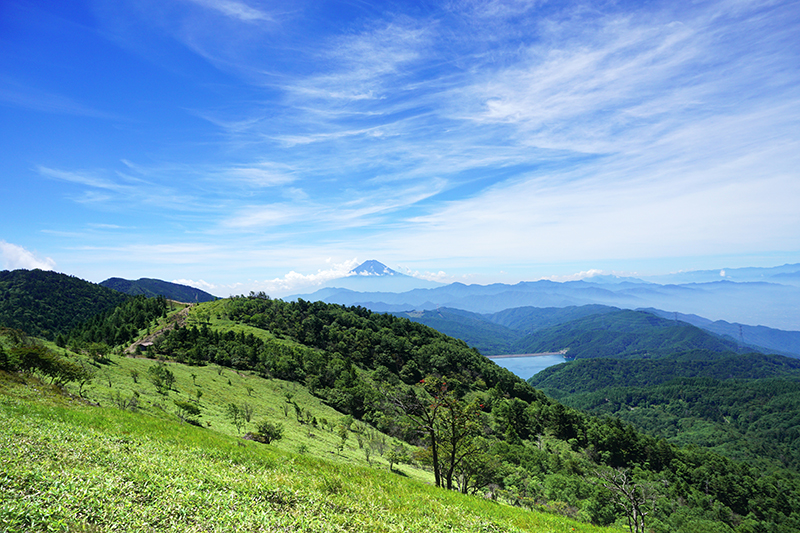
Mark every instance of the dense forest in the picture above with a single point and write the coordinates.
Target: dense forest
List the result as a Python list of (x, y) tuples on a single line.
[(118, 326), (155, 287), (44, 304), (744, 406), (585, 331)]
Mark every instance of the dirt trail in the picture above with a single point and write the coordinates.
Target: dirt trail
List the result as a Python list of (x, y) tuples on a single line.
[(178, 319)]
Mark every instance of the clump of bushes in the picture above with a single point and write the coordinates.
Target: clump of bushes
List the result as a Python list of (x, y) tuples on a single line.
[(266, 432)]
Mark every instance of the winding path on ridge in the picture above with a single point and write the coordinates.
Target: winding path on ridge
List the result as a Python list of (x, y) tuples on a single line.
[(178, 319)]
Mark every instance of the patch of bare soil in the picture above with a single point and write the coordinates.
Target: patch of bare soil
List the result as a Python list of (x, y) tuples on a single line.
[(176, 320)]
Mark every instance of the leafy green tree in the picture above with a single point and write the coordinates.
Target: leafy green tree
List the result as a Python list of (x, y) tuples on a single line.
[(423, 405), (342, 432), (235, 415), (456, 430), (397, 455), (247, 411), (161, 377), (97, 350), (268, 432)]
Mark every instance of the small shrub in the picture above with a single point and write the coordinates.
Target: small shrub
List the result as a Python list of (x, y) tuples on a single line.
[(161, 377), (268, 432)]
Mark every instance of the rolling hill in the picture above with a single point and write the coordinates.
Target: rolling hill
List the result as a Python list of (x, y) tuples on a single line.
[(746, 406), (155, 287), (586, 331), (45, 304)]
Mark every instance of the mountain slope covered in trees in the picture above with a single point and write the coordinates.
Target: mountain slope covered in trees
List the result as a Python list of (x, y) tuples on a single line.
[(586, 331), (413, 383), (155, 287), (743, 406), (773, 340), (44, 303)]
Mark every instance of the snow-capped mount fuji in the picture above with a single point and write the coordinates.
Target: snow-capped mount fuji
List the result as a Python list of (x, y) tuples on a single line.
[(374, 268), (374, 277)]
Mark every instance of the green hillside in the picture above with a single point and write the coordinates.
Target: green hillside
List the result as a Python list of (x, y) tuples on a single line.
[(743, 406), (155, 287), (504, 332), (530, 319), (70, 466), (586, 331), (44, 303), (623, 334), (474, 329), (359, 389)]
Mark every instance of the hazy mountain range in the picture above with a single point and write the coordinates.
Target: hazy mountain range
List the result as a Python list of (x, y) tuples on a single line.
[(601, 331), (759, 297)]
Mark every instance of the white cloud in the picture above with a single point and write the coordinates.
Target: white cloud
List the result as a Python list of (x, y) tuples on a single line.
[(81, 178), (236, 10), (257, 216), (369, 63), (15, 256), (199, 284), (22, 95), (441, 276), (294, 281), (260, 176), (585, 274)]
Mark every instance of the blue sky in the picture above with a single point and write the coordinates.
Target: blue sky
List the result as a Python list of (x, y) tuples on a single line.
[(248, 145)]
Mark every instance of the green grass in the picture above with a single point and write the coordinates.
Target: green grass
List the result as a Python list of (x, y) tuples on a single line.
[(69, 466), (222, 386), (86, 464)]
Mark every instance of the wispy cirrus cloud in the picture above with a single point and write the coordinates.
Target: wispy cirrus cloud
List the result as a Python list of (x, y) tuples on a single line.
[(14, 93), (461, 133), (236, 10)]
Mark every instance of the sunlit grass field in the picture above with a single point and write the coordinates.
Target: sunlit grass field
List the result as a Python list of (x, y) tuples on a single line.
[(69, 466), (113, 455)]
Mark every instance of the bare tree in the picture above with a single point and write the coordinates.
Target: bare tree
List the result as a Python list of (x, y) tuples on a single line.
[(637, 499), (423, 405)]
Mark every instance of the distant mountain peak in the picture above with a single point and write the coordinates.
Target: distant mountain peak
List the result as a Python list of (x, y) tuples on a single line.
[(373, 268)]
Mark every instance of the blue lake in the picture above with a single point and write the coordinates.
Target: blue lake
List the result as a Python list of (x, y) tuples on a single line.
[(526, 367)]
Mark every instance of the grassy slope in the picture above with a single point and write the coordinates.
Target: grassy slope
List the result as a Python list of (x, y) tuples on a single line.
[(68, 466)]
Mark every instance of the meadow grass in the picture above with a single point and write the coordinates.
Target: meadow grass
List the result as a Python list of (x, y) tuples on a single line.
[(69, 466), (220, 387)]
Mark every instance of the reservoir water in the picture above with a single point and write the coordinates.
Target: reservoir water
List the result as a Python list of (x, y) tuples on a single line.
[(527, 366)]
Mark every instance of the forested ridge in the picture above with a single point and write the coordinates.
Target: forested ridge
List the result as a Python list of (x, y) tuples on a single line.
[(746, 406), (155, 287), (478, 428), (585, 331), (44, 303)]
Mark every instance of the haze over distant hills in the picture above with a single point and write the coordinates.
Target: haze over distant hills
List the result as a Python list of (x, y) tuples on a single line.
[(773, 303), (602, 331), (787, 274)]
